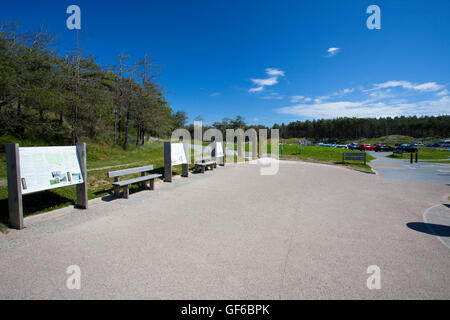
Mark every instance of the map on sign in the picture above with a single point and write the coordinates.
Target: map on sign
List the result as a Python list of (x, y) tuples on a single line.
[(178, 155), (44, 168)]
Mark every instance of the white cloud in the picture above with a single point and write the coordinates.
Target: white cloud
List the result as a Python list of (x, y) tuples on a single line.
[(265, 82), (367, 108), (333, 51), (272, 80), (274, 72), (345, 91), (215, 94), (443, 92), (427, 86), (258, 89)]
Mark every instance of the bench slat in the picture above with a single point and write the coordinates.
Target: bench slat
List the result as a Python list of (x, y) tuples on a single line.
[(118, 173), (136, 180)]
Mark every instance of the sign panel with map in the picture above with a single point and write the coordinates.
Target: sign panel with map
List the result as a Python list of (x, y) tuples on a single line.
[(43, 168)]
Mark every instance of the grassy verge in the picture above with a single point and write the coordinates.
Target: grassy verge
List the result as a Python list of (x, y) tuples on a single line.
[(318, 154), (324, 155), (426, 154)]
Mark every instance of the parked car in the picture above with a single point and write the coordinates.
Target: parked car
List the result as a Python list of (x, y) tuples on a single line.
[(405, 148), (383, 148), (353, 146), (444, 143), (341, 146), (366, 147), (417, 144), (433, 145)]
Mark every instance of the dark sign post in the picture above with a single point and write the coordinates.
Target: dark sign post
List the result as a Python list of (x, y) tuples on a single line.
[(14, 190), (15, 182)]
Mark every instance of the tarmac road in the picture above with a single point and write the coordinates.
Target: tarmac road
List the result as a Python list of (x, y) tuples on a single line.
[(398, 169), (309, 232)]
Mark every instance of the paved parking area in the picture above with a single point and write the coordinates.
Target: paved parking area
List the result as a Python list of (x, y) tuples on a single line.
[(309, 232), (396, 169)]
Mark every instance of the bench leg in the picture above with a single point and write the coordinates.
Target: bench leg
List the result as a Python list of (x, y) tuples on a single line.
[(116, 191), (185, 170), (126, 191), (152, 184), (144, 183)]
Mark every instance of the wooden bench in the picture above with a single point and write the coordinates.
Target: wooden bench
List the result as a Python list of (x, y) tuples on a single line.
[(125, 184), (354, 156), (201, 166)]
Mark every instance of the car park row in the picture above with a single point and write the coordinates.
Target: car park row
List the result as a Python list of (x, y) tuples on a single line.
[(382, 147)]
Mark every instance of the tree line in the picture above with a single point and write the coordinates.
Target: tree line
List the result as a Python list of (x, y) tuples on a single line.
[(44, 94), (356, 128), (342, 129)]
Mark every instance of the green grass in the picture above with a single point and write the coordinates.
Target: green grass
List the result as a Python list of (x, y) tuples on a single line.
[(426, 153), (324, 155), (318, 154)]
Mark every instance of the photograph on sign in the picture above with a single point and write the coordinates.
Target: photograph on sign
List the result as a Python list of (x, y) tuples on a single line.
[(44, 168), (177, 154)]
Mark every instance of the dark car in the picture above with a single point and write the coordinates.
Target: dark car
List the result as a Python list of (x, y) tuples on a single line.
[(405, 148), (353, 146), (383, 148), (434, 145)]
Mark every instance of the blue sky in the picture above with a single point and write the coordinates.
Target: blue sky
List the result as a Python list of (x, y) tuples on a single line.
[(270, 61)]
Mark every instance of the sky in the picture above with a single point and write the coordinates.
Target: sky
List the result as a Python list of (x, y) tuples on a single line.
[(269, 61)]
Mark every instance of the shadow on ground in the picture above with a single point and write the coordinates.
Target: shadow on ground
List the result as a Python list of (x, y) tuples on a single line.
[(33, 203), (430, 228)]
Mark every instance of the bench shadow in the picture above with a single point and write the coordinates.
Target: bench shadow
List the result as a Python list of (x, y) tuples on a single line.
[(110, 196), (430, 228)]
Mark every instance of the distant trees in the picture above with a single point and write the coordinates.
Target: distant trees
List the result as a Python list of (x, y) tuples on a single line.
[(355, 128), (43, 94)]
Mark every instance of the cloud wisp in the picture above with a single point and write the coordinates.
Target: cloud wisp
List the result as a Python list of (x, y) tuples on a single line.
[(273, 74), (427, 86), (333, 51)]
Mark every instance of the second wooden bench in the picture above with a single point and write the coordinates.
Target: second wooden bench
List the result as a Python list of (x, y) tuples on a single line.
[(125, 184)]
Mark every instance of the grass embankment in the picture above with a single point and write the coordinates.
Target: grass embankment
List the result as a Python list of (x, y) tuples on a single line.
[(324, 155), (318, 154), (425, 153)]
